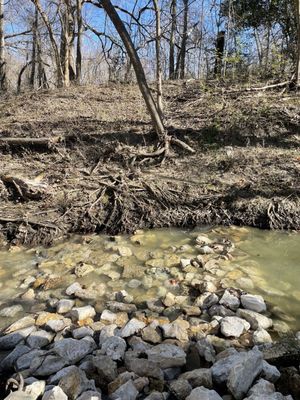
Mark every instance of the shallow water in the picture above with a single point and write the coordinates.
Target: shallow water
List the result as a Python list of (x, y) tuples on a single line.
[(264, 262)]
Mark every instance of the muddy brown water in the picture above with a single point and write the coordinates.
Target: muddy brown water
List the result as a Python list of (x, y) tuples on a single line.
[(265, 262)]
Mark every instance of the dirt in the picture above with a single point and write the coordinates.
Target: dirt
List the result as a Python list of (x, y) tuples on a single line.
[(245, 170)]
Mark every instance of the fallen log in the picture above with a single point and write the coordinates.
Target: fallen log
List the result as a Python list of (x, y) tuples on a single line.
[(37, 144)]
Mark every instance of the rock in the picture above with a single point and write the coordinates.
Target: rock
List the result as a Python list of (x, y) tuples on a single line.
[(82, 332), (82, 313), (206, 350), (73, 350), (206, 300), (132, 327), (114, 347), (152, 335), (155, 306), (55, 393), (46, 366), (25, 361), (120, 380), (39, 339), (234, 326), (141, 383), (134, 284), (255, 319), (220, 311), (192, 311), (167, 355), (125, 392), (229, 300), (22, 323), (107, 332), (253, 302), (184, 262), (262, 388), (117, 306), (64, 306), (142, 366), (75, 382), (83, 269), (90, 294), (124, 251), (243, 373), (75, 287), (157, 396), (281, 327), (8, 362), (202, 239), (205, 250), (36, 389), (180, 388), (11, 311), (29, 295), (207, 286), (11, 340), (108, 316), (90, 395), (198, 377), (270, 372), (261, 336), (137, 344), (106, 367), (169, 300), (177, 329), (290, 382), (203, 394)]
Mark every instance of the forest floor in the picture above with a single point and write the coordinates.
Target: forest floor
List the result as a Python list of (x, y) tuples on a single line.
[(245, 171)]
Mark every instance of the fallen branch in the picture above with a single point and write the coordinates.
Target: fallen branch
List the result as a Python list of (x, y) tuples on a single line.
[(32, 143)]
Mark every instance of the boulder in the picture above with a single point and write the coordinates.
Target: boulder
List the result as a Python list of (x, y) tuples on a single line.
[(261, 336), (75, 382), (180, 388), (106, 367), (253, 302), (255, 319), (73, 350), (167, 355)]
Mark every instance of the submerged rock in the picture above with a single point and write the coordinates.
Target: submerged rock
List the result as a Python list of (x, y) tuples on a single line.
[(253, 302)]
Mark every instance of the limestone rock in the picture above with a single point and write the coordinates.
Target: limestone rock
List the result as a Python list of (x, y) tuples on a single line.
[(167, 355), (178, 329), (75, 287), (255, 319), (234, 326), (36, 388), (114, 347), (261, 336), (64, 306), (152, 335), (125, 392), (199, 377), (82, 313), (203, 394), (73, 350), (11, 311), (55, 393), (180, 388), (132, 327), (229, 300)]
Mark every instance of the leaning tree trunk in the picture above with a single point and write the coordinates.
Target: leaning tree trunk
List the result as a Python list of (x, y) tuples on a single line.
[(172, 40), (158, 58), (59, 70), (137, 65), (184, 39), (3, 81)]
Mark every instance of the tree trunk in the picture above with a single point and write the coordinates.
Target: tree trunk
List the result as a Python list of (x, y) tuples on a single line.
[(137, 65), (172, 40), (220, 46), (59, 70), (79, 41), (34, 50), (158, 57), (297, 73), (184, 39), (3, 81)]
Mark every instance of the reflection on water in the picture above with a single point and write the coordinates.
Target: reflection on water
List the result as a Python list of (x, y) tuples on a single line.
[(147, 265)]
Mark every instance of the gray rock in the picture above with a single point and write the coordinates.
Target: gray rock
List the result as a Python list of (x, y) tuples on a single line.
[(108, 316), (206, 350), (134, 284), (8, 362), (137, 344), (73, 350), (255, 319), (125, 392), (46, 366), (180, 388), (261, 336), (90, 395), (82, 332), (142, 366), (22, 323), (167, 355), (81, 313), (24, 361), (262, 387), (226, 360), (106, 367), (39, 339), (152, 335), (57, 325), (114, 347), (220, 311), (117, 306), (229, 300), (272, 396), (11, 311), (64, 306), (270, 372), (156, 396), (178, 329), (54, 379), (55, 394), (243, 373), (253, 302), (75, 382), (171, 373), (11, 340), (107, 332), (201, 393), (234, 326), (132, 327), (198, 377)]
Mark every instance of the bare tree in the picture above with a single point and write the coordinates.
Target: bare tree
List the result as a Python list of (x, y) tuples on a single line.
[(173, 11), (3, 81), (297, 74), (184, 38), (79, 4)]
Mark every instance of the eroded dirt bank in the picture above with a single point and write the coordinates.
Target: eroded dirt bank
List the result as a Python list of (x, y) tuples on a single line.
[(245, 170)]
